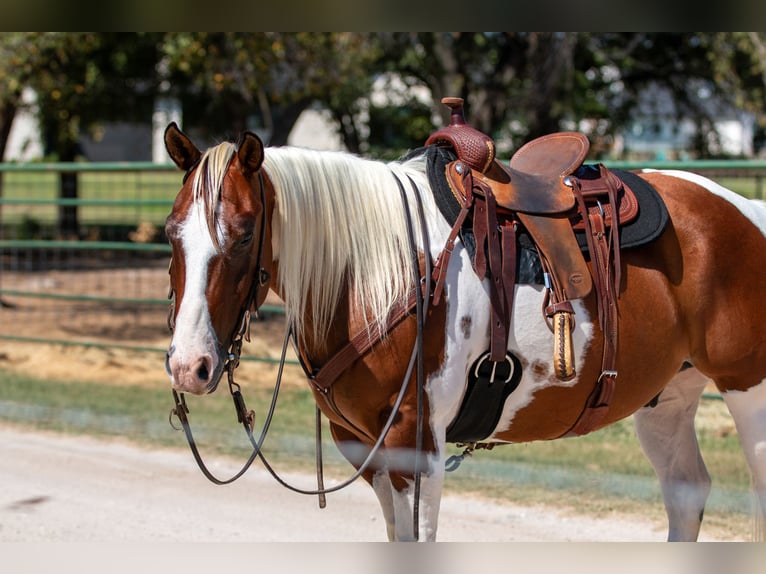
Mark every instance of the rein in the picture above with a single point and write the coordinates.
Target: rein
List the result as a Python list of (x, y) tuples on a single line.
[(247, 418)]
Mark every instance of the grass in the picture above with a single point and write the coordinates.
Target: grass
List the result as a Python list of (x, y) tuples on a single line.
[(141, 414), (156, 190), (601, 473), (151, 186)]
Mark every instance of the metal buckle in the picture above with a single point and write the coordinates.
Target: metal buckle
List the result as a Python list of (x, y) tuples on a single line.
[(485, 358)]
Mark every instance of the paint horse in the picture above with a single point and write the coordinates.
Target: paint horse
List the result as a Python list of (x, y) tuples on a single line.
[(333, 235)]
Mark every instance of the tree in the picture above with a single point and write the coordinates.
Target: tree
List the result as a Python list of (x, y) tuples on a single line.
[(703, 73), (519, 85), (224, 78), (514, 84), (81, 80)]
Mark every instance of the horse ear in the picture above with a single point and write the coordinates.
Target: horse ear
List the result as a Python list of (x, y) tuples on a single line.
[(180, 148), (250, 152)]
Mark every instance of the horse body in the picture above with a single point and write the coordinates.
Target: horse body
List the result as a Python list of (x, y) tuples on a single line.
[(691, 296)]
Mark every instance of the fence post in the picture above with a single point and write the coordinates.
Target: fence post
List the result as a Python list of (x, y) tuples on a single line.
[(68, 222)]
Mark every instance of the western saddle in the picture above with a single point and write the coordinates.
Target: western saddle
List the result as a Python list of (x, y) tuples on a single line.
[(544, 191)]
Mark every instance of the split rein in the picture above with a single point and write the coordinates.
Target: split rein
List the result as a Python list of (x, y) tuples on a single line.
[(247, 417)]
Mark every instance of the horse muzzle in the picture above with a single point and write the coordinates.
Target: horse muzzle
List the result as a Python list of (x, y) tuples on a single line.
[(197, 374)]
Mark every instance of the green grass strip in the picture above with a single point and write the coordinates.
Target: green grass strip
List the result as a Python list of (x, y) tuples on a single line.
[(607, 464)]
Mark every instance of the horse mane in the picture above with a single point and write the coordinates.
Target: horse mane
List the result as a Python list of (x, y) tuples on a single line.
[(341, 225), (208, 180)]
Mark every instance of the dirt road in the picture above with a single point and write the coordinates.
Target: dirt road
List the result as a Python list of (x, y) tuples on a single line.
[(79, 489)]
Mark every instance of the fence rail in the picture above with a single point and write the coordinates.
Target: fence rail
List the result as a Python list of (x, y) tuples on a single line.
[(95, 286)]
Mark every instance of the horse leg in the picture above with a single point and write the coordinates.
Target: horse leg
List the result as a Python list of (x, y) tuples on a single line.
[(748, 409), (668, 438), (403, 496), (355, 452), (397, 498), (395, 490)]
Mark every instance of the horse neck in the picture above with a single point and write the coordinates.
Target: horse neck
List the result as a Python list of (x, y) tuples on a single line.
[(318, 249)]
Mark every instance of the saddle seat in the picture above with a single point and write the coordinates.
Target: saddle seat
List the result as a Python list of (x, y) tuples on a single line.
[(537, 173), (534, 181)]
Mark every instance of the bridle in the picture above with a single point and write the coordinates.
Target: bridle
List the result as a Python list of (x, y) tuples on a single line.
[(246, 417)]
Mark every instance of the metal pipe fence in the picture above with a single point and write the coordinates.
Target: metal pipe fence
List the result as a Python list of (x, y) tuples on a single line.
[(101, 281)]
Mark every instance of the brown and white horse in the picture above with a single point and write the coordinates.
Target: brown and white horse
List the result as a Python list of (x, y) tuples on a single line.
[(330, 230)]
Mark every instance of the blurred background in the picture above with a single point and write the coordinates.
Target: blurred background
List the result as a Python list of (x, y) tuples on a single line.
[(85, 184)]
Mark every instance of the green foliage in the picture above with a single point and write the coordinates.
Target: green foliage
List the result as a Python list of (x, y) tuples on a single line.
[(395, 128), (225, 79), (517, 84), (80, 79)]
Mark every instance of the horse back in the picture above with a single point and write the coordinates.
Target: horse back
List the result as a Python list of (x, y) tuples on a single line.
[(715, 250)]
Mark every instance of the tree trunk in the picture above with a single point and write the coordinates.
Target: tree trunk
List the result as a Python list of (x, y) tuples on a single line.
[(59, 140), (551, 64), (69, 226)]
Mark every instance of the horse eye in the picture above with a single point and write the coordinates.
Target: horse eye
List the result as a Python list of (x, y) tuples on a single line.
[(246, 238)]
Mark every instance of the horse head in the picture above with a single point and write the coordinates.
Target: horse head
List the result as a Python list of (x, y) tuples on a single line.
[(220, 233)]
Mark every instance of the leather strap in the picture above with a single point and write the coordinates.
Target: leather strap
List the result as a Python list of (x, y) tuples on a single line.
[(442, 261), (604, 248), (363, 341), (359, 345), (496, 249)]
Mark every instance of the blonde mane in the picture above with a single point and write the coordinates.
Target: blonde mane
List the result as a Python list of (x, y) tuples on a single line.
[(341, 225), (207, 182)]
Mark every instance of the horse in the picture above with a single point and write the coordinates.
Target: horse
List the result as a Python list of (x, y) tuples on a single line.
[(337, 237)]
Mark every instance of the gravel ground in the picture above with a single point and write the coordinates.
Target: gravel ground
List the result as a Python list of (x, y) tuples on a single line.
[(58, 488)]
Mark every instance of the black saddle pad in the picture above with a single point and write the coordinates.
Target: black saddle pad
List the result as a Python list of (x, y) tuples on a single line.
[(652, 213), (645, 228)]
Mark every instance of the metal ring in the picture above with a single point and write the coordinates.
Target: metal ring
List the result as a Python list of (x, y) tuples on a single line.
[(485, 358)]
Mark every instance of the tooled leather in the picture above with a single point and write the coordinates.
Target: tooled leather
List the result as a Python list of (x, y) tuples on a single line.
[(472, 147)]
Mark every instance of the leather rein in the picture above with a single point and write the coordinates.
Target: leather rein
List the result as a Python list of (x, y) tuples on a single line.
[(322, 379)]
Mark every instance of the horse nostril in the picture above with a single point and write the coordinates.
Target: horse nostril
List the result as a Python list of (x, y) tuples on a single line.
[(202, 372)]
